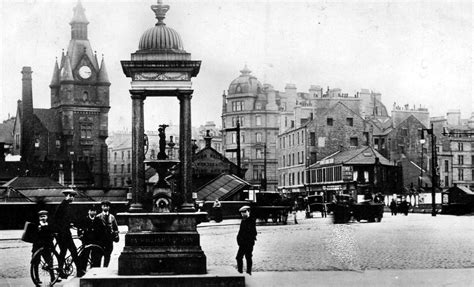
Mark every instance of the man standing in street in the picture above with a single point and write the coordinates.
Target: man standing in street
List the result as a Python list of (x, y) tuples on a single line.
[(63, 220), (246, 239), (110, 233)]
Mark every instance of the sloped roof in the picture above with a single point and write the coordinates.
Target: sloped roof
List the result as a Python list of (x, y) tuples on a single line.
[(33, 182), (49, 195), (360, 156), (221, 187), (6, 131), (463, 188), (48, 118)]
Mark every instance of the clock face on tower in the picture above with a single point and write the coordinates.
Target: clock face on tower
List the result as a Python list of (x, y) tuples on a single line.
[(85, 72)]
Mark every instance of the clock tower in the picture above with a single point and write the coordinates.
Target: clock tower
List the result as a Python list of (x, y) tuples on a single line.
[(80, 96)]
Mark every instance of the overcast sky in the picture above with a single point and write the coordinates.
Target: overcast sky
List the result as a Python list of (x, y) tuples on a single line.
[(416, 53)]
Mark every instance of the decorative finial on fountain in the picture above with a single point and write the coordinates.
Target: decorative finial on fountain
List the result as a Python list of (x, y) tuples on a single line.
[(160, 12)]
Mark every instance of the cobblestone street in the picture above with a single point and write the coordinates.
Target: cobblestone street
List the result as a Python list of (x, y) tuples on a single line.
[(416, 241)]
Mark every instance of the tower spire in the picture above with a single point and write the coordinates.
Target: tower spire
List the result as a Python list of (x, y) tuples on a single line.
[(79, 23)]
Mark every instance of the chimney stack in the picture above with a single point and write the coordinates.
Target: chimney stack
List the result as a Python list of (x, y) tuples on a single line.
[(27, 91), (208, 139)]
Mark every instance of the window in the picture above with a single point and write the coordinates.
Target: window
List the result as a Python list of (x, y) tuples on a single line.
[(115, 168), (460, 146), (233, 138), (242, 137), (58, 144), (128, 168), (115, 155), (460, 159), (446, 166), (258, 120), (128, 154), (297, 138), (376, 143), (354, 142), (122, 181), (115, 181), (86, 131), (312, 139), (404, 132), (258, 153), (258, 106), (460, 174), (283, 164), (329, 121), (446, 181), (350, 121), (122, 168), (258, 136), (123, 155), (237, 106)]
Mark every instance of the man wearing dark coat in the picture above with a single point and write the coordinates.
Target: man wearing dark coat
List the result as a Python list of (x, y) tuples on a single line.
[(246, 239), (90, 231), (63, 220), (110, 233)]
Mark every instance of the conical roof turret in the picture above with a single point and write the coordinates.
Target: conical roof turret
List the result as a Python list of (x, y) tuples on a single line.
[(55, 79), (66, 70), (103, 77)]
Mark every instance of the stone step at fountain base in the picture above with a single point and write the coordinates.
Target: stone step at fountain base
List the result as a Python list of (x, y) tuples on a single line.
[(216, 277)]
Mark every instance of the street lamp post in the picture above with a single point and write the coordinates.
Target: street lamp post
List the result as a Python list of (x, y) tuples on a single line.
[(434, 165), (72, 169)]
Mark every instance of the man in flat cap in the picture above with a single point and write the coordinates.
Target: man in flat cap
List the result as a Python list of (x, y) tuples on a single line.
[(110, 233), (64, 220), (246, 239)]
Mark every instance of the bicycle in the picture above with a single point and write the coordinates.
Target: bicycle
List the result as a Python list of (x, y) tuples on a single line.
[(44, 265)]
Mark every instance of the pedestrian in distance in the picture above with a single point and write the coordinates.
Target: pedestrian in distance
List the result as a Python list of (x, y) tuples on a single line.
[(90, 231), (63, 223), (110, 233), (393, 207), (217, 210), (294, 211), (246, 239)]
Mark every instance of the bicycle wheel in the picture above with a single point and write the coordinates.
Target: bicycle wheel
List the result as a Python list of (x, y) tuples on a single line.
[(90, 256), (44, 268)]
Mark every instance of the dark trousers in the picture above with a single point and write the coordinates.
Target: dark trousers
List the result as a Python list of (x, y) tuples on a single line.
[(94, 255), (66, 243), (108, 247), (244, 250)]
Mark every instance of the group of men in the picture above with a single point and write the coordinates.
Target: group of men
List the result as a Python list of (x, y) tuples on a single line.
[(100, 229)]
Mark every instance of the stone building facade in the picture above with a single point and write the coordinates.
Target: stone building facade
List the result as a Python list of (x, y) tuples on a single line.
[(75, 128), (455, 146), (258, 115)]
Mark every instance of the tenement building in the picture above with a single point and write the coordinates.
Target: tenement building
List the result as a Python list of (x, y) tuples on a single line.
[(455, 149), (73, 131), (257, 111)]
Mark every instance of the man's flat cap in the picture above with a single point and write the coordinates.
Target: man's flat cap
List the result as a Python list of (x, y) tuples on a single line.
[(105, 202), (244, 208), (69, 191), (42, 212)]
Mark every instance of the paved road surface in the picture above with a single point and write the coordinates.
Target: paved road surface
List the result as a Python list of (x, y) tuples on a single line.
[(417, 241)]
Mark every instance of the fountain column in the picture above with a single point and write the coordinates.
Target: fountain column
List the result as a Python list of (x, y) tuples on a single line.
[(185, 154), (138, 150)]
